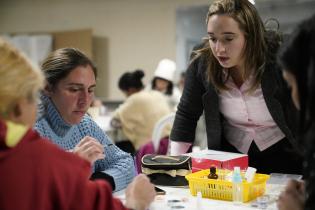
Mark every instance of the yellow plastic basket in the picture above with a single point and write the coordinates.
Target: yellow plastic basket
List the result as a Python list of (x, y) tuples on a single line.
[(222, 189)]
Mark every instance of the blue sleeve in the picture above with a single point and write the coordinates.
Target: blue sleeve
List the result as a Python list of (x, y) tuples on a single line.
[(118, 164)]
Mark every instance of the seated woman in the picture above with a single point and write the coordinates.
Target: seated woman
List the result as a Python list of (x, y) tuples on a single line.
[(36, 174), (142, 109), (70, 83), (298, 61)]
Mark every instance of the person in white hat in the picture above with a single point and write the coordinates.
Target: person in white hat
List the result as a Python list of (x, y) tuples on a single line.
[(163, 81)]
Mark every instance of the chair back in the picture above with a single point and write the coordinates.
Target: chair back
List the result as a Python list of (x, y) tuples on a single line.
[(158, 129)]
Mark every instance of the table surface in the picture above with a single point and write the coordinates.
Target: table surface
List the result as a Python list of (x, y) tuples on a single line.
[(185, 201)]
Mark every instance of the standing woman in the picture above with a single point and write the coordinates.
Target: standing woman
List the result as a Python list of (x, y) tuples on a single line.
[(234, 79), (298, 60), (70, 83)]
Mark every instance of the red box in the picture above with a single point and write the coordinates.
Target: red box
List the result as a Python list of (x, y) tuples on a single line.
[(224, 160)]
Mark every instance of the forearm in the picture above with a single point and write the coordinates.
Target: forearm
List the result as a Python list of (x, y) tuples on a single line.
[(122, 175), (178, 148), (118, 165)]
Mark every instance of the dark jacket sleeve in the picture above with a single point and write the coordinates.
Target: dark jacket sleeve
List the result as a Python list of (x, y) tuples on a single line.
[(309, 167), (190, 107), (310, 190)]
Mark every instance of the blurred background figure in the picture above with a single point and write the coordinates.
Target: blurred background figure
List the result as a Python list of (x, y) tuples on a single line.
[(97, 108), (139, 113), (163, 81), (297, 57)]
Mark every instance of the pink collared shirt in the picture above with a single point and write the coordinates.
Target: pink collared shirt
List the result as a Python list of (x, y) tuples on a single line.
[(247, 118)]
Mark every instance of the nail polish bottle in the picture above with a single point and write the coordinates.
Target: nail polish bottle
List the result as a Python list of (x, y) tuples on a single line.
[(213, 174)]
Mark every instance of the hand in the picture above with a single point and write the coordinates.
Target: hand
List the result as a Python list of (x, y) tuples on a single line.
[(140, 193), (89, 149), (293, 197)]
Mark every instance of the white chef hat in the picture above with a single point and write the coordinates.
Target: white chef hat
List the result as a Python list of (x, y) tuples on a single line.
[(166, 69)]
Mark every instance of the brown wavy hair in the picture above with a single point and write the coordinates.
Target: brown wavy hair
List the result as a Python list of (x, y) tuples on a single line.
[(250, 23), (61, 62)]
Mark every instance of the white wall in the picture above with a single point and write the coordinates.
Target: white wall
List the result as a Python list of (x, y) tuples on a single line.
[(287, 12), (138, 33)]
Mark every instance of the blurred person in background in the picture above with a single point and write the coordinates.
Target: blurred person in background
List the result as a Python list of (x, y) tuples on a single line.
[(36, 174), (297, 57), (140, 112), (70, 82), (163, 81)]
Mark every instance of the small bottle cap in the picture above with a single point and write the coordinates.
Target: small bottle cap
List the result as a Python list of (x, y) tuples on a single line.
[(236, 177), (237, 169), (250, 174), (213, 169)]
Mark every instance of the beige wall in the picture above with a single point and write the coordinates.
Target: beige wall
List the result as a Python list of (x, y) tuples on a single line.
[(136, 33)]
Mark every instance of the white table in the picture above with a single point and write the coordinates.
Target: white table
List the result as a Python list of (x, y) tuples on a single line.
[(187, 201)]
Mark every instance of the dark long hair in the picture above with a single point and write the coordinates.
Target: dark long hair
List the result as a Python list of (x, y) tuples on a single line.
[(131, 80), (297, 56), (170, 85)]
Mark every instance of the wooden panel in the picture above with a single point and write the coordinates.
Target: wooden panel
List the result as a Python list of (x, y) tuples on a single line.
[(81, 39)]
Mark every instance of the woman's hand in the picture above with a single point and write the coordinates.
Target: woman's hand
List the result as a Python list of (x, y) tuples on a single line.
[(89, 149), (293, 197), (140, 193)]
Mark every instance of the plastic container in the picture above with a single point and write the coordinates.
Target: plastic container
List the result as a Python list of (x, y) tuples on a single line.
[(237, 186), (223, 189)]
